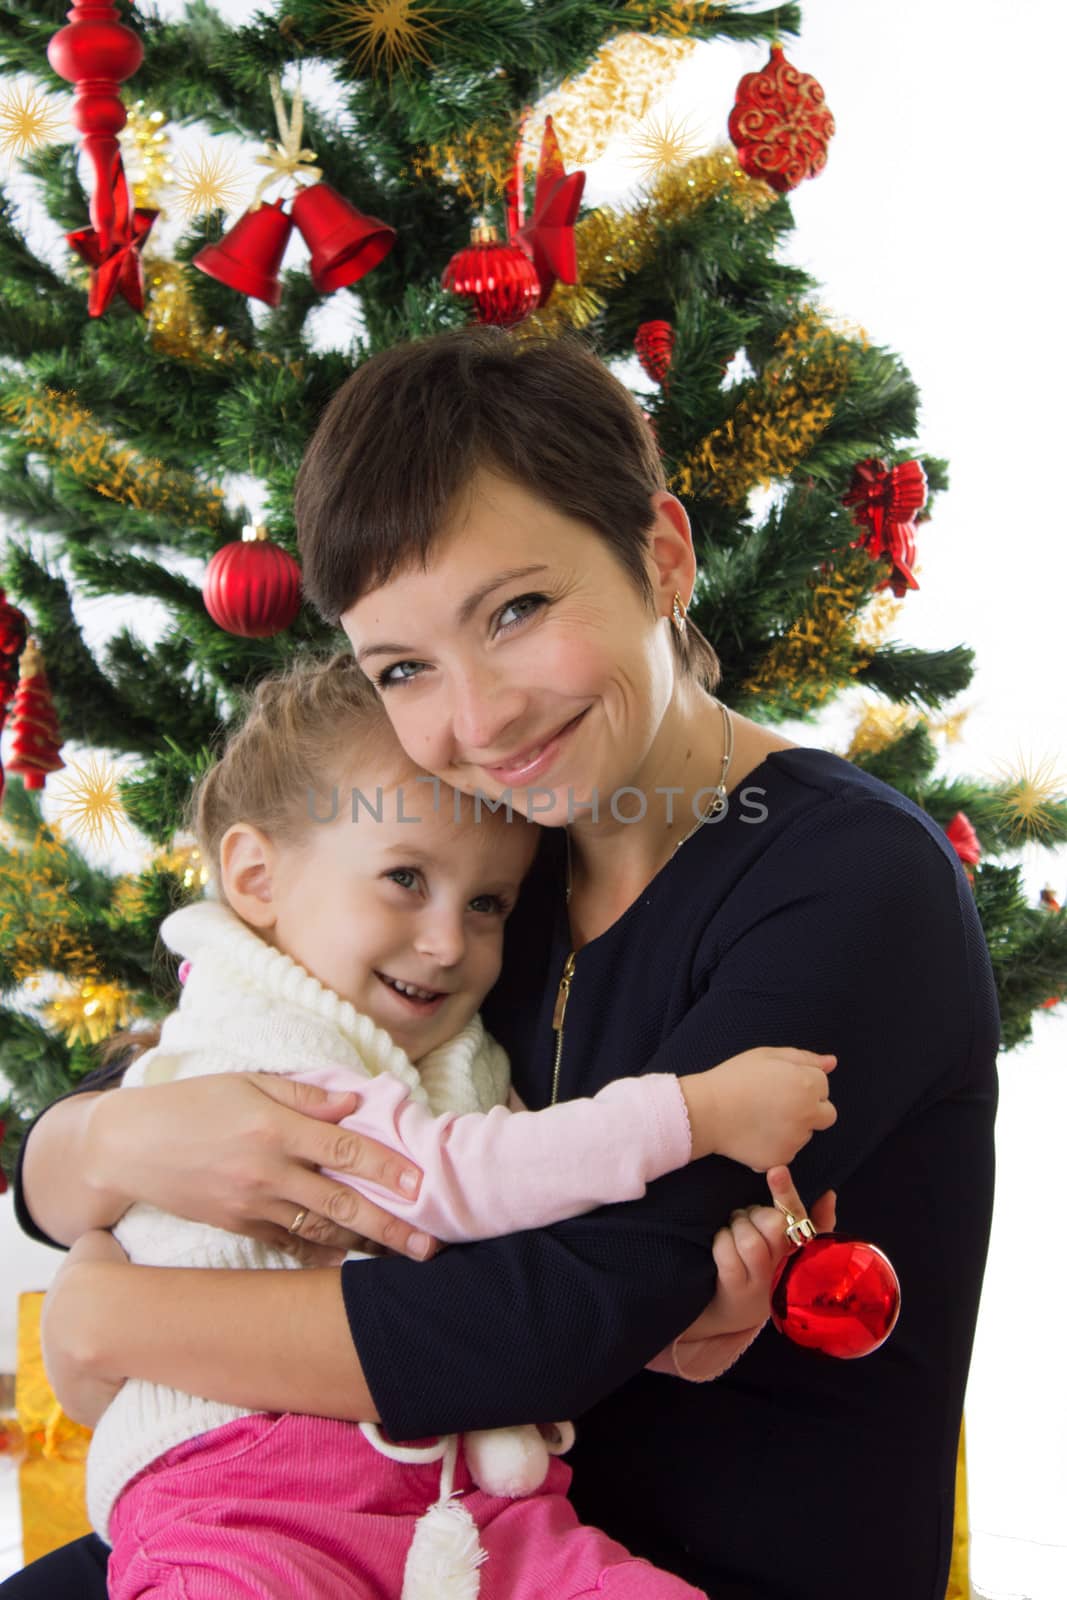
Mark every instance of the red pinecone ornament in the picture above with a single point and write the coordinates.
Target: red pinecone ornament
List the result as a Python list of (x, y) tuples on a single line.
[(781, 124), (500, 278), (654, 347), (34, 725), (252, 586)]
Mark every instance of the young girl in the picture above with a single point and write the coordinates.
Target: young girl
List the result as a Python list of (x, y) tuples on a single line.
[(357, 929)]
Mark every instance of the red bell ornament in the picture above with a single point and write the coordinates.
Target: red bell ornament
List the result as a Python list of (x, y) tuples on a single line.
[(249, 257), (252, 586), (835, 1294), (344, 243), (500, 278)]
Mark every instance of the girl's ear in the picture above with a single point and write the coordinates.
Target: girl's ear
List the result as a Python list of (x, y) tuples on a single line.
[(247, 860)]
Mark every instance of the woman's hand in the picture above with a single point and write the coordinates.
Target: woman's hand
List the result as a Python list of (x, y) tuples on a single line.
[(242, 1151), (69, 1326)]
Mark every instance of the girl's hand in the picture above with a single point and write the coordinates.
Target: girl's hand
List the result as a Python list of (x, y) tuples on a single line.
[(747, 1254), (70, 1318), (759, 1107), (242, 1151)]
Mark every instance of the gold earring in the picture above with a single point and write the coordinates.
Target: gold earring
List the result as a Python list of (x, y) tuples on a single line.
[(678, 614)]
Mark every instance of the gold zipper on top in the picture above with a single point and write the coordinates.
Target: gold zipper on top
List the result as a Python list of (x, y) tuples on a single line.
[(558, 1015)]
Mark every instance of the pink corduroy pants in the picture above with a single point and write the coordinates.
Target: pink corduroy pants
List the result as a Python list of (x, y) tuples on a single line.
[(304, 1508)]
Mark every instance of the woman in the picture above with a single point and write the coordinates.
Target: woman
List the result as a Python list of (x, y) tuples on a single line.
[(488, 521)]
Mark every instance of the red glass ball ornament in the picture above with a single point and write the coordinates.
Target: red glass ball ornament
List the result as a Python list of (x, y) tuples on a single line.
[(252, 586), (500, 278), (836, 1294)]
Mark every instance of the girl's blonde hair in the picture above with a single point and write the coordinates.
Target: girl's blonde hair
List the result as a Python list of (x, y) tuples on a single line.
[(302, 730)]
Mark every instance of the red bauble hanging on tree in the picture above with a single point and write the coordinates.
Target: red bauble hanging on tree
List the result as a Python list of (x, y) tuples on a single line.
[(500, 278), (35, 737), (835, 1294), (252, 586), (654, 346), (780, 124)]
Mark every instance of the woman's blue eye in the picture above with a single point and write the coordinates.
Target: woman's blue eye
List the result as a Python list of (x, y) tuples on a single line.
[(527, 604), (385, 680)]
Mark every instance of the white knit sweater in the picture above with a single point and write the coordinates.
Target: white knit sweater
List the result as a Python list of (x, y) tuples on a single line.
[(248, 1008)]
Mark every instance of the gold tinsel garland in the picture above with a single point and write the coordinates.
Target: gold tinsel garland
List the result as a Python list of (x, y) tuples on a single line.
[(93, 1011), (612, 245), (38, 931), (827, 646), (57, 423), (627, 75), (145, 144), (778, 417)]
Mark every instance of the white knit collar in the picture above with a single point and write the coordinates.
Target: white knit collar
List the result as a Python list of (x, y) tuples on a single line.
[(221, 946)]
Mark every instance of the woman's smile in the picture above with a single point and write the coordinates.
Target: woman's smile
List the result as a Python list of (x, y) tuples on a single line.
[(535, 759)]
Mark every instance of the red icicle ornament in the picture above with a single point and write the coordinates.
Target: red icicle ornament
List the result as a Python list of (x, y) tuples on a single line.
[(34, 725), (780, 124), (500, 278), (654, 347), (252, 586)]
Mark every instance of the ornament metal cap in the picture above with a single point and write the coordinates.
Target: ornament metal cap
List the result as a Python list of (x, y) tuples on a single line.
[(798, 1230)]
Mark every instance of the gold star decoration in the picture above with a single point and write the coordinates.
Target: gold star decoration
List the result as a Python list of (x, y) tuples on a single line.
[(28, 120), (662, 143), (208, 181), (89, 804), (1033, 798), (382, 33)]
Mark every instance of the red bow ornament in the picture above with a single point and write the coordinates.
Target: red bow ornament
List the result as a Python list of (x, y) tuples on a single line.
[(116, 266), (548, 238), (885, 501)]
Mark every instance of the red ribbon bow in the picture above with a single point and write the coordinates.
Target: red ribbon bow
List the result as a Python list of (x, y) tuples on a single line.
[(885, 501), (116, 261), (548, 238)]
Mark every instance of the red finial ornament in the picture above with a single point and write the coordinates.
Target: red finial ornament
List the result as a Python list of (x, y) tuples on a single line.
[(35, 737), (835, 1294), (781, 124)]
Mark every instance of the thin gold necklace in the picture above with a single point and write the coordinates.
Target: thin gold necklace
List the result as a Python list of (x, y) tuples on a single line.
[(718, 800)]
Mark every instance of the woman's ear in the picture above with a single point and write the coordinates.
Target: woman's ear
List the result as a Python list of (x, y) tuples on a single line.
[(247, 861), (673, 566)]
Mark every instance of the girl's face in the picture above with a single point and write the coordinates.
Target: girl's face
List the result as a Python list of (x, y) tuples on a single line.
[(418, 898), (523, 658)]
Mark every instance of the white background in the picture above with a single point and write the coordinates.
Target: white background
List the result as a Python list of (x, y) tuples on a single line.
[(936, 227)]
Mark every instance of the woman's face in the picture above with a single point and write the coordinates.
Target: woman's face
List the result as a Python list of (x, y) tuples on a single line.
[(524, 658)]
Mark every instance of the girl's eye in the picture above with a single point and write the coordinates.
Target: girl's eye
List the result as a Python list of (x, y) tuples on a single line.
[(525, 605), (490, 904), (385, 679), (408, 873)]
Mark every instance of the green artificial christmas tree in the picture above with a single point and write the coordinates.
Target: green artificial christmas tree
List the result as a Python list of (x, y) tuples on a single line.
[(127, 433)]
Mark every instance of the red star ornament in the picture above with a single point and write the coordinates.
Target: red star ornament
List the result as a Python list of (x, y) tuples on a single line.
[(548, 238), (118, 267)]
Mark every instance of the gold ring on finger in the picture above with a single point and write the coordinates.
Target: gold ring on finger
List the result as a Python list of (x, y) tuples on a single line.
[(299, 1220)]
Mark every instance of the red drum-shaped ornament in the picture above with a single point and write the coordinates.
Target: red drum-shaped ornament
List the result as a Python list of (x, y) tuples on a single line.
[(835, 1294), (780, 124), (500, 278), (252, 586)]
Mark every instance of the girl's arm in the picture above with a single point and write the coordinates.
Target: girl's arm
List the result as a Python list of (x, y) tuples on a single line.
[(500, 1172)]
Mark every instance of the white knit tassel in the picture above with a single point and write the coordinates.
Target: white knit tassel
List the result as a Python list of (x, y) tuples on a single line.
[(445, 1553)]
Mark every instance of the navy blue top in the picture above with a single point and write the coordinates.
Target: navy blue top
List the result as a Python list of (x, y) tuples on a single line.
[(826, 912)]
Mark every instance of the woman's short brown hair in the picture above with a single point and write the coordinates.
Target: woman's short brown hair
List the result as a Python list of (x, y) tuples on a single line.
[(410, 428)]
